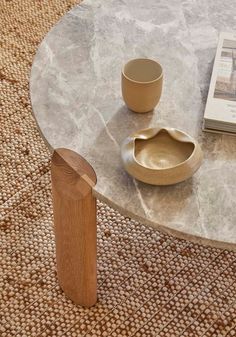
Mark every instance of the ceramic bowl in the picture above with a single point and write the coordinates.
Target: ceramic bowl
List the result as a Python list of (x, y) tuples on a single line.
[(161, 155)]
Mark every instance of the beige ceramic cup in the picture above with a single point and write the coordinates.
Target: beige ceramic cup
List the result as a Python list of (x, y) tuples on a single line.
[(142, 84)]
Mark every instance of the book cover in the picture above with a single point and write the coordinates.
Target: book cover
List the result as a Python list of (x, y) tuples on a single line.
[(220, 112)]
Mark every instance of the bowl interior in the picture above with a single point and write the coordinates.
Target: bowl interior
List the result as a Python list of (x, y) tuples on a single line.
[(162, 151)]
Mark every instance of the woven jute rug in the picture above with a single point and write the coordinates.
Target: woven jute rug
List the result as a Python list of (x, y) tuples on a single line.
[(150, 284)]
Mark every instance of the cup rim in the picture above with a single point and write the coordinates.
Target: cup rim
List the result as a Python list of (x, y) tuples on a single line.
[(141, 82)]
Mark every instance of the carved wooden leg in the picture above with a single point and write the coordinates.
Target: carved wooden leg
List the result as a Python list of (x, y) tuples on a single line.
[(74, 210)]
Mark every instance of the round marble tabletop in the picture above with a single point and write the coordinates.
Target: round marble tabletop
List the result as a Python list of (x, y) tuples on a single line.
[(76, 100)]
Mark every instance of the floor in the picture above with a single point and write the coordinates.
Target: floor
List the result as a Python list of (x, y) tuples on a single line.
[(150, 284)]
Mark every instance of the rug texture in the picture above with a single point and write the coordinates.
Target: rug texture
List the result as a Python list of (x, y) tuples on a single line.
[(149, 284)]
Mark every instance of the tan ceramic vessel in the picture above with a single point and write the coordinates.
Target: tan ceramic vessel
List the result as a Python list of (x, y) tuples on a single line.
[(161, 156), (142, 84)]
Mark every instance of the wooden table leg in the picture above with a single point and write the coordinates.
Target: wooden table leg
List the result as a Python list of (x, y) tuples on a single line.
[(74, 209)]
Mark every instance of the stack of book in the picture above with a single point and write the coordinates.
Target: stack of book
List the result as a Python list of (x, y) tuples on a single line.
[(220, 112)]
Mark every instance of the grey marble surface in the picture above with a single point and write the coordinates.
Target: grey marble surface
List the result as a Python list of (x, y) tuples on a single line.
[(76, 99)]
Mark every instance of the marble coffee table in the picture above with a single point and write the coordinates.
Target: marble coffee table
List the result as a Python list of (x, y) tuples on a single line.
[(76, 100)]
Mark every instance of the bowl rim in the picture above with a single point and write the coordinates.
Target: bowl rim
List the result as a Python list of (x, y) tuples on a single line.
[(157, 130)]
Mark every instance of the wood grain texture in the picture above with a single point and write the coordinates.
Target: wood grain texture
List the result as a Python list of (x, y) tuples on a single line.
[(74, 209)]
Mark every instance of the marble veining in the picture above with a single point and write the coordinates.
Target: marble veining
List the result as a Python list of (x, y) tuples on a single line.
[(77, 102)]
